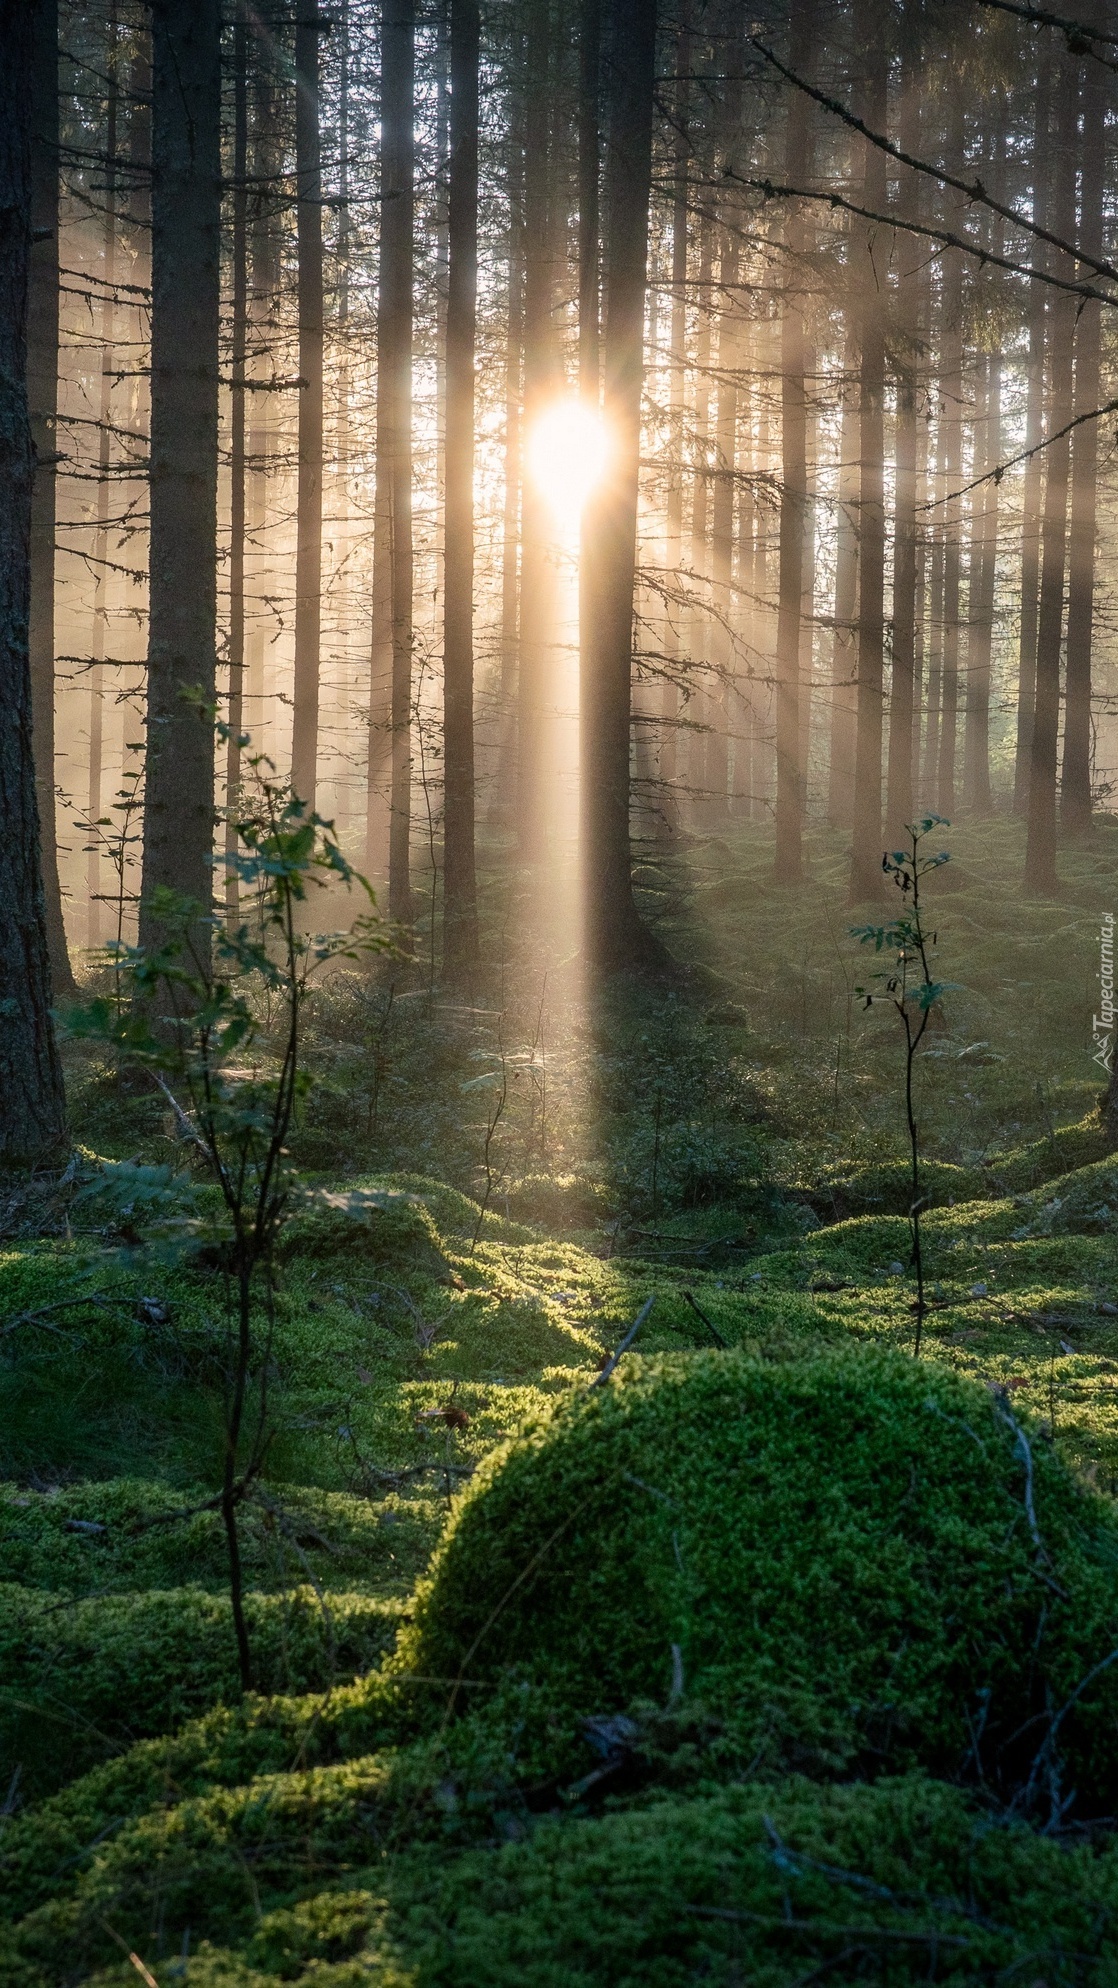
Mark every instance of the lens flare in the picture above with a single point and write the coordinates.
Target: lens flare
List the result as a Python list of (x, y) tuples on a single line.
[(568, 452)]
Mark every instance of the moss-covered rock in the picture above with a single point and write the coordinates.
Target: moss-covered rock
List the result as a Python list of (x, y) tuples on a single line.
[(855, 1563)]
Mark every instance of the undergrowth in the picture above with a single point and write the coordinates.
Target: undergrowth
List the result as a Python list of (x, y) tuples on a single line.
[(765, 1664)]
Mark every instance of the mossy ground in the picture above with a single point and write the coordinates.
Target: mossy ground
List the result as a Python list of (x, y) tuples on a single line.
[(738, 1139)]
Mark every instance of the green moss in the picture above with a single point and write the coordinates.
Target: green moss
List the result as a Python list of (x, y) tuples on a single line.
[(83, 1678), (838, 1550), (122, 1534), (900, 1882)]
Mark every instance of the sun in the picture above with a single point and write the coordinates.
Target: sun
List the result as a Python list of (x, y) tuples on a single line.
[(568, 452)]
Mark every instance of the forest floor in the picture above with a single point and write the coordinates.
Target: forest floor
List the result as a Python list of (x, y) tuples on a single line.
[(784, 1662)]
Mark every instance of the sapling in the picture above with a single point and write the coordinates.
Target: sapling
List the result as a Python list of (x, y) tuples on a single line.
[(911, 987), (216, 1020)]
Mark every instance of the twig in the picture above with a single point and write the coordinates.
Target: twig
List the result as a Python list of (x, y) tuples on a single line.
[(60, 1304), (710, 1326), (600, 1380)]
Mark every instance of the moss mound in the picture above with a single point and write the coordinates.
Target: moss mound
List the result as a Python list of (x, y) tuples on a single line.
[(82, 1677), (897, 1883), (903, 1881), (378, 1225), (855, 1564)]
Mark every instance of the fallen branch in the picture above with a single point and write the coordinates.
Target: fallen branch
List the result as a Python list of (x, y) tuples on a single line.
[(600, 1380), (710, 1326)]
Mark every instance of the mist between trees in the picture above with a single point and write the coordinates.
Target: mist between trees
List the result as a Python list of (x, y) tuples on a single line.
[(303, 287)]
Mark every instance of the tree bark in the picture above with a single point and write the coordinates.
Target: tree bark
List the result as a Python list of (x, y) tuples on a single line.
[(865, 867), (186, 235), (1075, 788), (840, 796), (460, 934), (537, 569), (237, 467), (1034, 466), (615, 935), (788, 863), (95, 767), (31, 1096), (980, 614), (42, 387), (1040, 848), (717, 768), (681, 148), (308, 511), (392, 548), (902, 689)]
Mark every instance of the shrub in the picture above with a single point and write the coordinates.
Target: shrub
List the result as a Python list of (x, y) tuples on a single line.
[(855, 1563)]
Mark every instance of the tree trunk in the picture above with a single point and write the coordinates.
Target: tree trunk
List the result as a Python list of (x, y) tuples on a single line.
[(460, 936), (1075, 790), (865, 868), (788, 866), (392, 549), (980, 614), (716, 777), (186, 237), (615, 936), (699, 644), (589, 82), (308, 513), (840, 797), (504, 797), (1034, 466), (670, 700), (1040, 848), (912, 256), (31, 1098), (95, 768), (537, 569), (42, 387), (237, 357)]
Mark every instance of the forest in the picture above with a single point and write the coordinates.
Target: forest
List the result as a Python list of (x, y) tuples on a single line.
[(558, 1094)]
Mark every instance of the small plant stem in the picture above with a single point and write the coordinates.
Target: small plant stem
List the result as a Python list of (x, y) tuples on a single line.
[(230, 1489)]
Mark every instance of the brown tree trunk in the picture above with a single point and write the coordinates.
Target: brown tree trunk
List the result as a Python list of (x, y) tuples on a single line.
[(865, 866), (615, 936), (42, 387), (1040, 848), (840, 796), (460, 935), (980, 614), (670, 699), (186, 238), (537, 570), (31, 1098), (1075, 787), (237, 358), (717, 770), (788, 864), (392, 549), (1034, 466), (94, 793), (911, 253), (308, 513)]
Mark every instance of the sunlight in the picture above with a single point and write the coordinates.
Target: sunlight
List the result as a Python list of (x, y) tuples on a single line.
[(568, 451)]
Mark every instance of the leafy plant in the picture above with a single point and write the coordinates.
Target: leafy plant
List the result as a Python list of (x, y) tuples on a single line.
[(913, 990), (215, 1017)]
